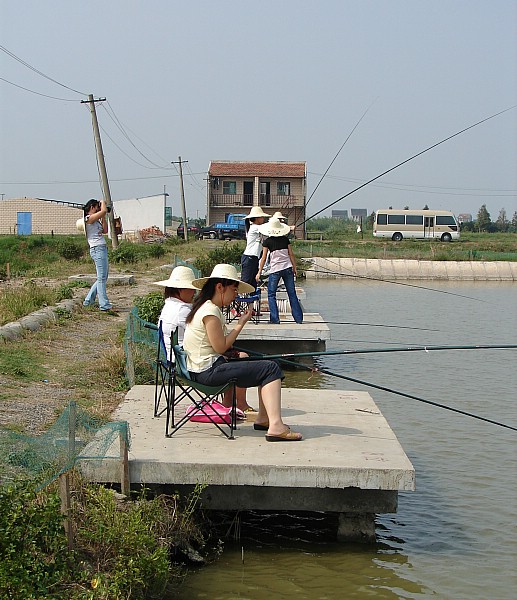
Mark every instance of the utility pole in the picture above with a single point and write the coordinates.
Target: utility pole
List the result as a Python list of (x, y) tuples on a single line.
[(183, 208), (102, 167)]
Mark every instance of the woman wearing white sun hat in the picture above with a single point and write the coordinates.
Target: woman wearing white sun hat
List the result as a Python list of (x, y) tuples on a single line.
[(253, 250), (178, 293), (207, 339), (282, 266)]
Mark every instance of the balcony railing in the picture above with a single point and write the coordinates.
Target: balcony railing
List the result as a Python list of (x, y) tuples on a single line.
[(279, 202)]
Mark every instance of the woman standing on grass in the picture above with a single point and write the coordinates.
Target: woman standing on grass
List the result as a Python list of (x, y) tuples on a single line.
[(95, 225), (207, 339)]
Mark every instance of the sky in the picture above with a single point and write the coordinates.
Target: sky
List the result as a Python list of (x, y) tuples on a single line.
[(355, 85)]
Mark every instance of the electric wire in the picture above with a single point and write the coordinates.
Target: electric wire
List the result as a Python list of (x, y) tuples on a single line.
[(26, 64), (37, 93)]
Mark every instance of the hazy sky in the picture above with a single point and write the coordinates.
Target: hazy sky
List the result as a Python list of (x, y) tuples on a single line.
[(269, 80)]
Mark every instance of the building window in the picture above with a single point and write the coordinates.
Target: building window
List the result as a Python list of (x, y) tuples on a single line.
[(283, 188), (229, 187)]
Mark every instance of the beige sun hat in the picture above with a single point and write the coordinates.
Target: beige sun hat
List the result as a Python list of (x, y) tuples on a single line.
[(81, 225), (224, 271), (257, 211), (274, 228), (279, 215), (180, 278)]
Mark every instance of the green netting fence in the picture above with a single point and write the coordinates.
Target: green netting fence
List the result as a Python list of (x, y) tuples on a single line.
[(74, 436)]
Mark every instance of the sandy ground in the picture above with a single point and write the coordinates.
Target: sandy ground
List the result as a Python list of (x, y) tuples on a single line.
[(72, 349)]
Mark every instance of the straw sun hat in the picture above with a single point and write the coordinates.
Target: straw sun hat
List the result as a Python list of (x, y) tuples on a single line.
[(256, 211), (81, 225), (274, 228), (223, 271), (180, 278), (279, 215)]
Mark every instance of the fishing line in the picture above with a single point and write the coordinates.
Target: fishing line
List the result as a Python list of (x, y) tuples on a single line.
[(412, 285), (407, 160), (338, 152), (382, 388)]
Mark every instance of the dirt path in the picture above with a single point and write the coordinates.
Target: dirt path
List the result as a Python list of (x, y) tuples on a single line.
[(78, 355)]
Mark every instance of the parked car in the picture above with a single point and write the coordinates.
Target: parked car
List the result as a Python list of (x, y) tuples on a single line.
[(231, 229), (192, 230)]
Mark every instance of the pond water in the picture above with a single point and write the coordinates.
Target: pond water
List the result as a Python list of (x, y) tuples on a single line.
[(455, 536)]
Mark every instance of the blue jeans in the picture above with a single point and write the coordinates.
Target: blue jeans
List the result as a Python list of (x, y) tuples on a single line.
[(99, 256), (287, 276)]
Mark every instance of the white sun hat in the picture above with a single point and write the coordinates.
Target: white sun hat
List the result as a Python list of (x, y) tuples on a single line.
[(279, 215), (81, 225), (180, 278), (224, 271), (255, 212), (274, 228)]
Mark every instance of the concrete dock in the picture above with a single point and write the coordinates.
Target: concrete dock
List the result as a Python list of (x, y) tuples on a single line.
[(349, 462)]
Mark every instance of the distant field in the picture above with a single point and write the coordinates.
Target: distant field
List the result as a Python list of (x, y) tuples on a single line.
[(60, 256)]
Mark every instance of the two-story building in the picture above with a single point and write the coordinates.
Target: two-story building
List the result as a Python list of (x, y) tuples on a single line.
[(236, 186)]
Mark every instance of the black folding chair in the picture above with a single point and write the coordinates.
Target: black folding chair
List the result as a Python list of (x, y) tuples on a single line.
[(164, 369), (241, 304), (201, 396)]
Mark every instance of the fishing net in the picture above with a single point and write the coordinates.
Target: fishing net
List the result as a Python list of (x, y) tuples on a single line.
[(140, 346), (74, 436)]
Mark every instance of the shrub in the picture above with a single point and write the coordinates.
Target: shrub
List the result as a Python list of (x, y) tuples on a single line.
[(70, 250), (155, 250), (150, 306), (227, 253), (125, 253)]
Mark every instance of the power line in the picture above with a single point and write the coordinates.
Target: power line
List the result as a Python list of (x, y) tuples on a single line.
[(26, 64), (37, 93)]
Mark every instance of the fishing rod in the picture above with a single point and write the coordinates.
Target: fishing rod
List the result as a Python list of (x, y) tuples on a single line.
[(384, 389), (338, 152), (370, 278), (383, 350), (407, 160), (358, 324)]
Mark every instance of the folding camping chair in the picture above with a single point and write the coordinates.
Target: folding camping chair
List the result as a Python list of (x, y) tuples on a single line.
[(241, 304), (164, 370), (201, 396)]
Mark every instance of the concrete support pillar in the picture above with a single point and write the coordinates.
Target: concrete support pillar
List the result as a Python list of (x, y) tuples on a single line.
[(356, 527)]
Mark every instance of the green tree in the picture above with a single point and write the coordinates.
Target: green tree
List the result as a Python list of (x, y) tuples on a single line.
[(502, 222), (514, 220), (483, 220)]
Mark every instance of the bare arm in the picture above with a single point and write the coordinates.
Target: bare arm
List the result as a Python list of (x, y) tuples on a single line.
[(262, 262), (293, 259), (100, 214), (219, 342)]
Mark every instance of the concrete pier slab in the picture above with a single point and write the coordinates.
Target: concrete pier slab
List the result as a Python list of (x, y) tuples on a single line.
[(114, 279), (349, 460)]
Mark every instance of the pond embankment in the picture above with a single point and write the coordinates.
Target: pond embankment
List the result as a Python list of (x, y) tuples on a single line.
[(412, 269)]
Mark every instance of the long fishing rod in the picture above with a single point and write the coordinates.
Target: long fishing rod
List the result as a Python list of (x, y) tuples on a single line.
[(385, 389), (338, 152), (412, 285), (358, 324), (384, 350), (406, 161)]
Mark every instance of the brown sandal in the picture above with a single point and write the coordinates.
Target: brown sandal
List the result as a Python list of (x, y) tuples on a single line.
[(286, 436)]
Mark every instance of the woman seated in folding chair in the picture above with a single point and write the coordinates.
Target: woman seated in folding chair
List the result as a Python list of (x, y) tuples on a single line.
[(206, 341), (179, 293)]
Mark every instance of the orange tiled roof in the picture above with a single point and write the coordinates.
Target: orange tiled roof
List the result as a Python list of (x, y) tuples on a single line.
[(230, 168)]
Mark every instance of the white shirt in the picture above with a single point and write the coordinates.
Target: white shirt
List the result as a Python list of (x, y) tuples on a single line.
[(253, 241), (173, 316), (94, 233)]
